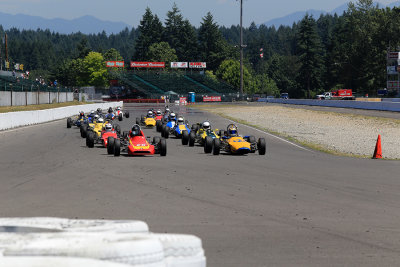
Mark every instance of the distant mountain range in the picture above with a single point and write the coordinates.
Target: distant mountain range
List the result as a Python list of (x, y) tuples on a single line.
[(85, 24), (297, 16)]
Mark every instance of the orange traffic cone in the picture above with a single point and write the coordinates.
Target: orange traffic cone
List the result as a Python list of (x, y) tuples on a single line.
[(378, 149)]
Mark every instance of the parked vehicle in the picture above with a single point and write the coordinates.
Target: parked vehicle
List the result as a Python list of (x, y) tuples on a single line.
[(340, 94)]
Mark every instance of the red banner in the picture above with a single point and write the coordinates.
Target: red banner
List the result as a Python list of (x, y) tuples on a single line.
[(197, 65), (136, 64), (115, 64), (211, 99)]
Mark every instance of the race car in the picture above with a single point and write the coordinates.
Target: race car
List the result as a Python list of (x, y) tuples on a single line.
[(198, 134), (120, 114), (148, 120), (77, 120), (231, 142), (179, 128), (135, 143), (109, 131)]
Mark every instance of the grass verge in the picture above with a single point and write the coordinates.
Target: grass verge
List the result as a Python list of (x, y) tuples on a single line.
[(40, 107)]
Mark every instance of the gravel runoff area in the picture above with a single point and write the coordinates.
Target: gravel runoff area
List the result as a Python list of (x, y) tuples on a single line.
[(338, 133)]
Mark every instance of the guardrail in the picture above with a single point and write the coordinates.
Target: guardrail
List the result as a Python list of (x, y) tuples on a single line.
[(383, 106), (23, 118)]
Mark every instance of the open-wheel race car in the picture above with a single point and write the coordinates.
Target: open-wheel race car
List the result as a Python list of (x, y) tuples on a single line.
[(121, 114), (231, 142), (99, 133), (148, 120), (135, 143), (77, 120), (198, 134), (179, 128)]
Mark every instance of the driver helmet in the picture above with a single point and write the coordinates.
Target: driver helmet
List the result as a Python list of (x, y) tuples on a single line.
[(118, 108), (150, 113), (92, 112), (167, 110), (158, 112), (96, 117), (99, 110), (173, 116), (232, 130), (108, 127), (135, 130), (110, 110), (180, 120), (100, 120), (81, 114), (206, 125)]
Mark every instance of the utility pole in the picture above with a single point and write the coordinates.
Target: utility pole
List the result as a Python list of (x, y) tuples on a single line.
[(241, 48)]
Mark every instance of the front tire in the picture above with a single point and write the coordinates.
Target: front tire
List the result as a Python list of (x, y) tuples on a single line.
[(208, 144), (261, 146), (120, 117), (185, 138), (83, 131), (192, 138), (216, 146), (137, 121), (90, 139), (166, 132), (126, 114), (110, 145), (163, 147), (117, 147), (69, 123), (158, 126)]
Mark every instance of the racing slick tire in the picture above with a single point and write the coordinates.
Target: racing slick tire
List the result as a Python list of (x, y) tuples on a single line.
[(251, 139), (110, 145), (142, 118), (166, 132), (83, 131), (192, 138), (90, 139), (125, 134), (156, 140), (117, 147), (261, 146), (137, 121), (126, 114), (185, 138), (120, 117), (117, 128), (163, 147), (69, 123), (208, 144), (158, 126), (216, 146)]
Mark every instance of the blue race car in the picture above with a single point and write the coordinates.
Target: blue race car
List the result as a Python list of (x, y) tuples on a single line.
[(178, 128)]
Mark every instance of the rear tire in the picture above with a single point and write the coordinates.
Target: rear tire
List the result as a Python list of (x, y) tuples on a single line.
[(216, 146), (208, 144), (261, 146), (185, 138), (137, 121), (117, 147), (110, 145), (252, 139), (195, 127), (192, 138), (90, 139), (163, 147), (69, 123), (126, 114), (120, 117), (83, 131), (158, 126)]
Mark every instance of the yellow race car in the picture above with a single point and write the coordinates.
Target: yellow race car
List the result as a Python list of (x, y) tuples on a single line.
[(148, 121), (232, 143), (198, 134)]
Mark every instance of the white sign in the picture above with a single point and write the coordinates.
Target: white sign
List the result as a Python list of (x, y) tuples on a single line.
[(182, 65), (393, 55)]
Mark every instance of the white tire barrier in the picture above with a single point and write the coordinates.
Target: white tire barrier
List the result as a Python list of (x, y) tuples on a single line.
[(55, 262), (179, 250), (43, 224), (113, 247)]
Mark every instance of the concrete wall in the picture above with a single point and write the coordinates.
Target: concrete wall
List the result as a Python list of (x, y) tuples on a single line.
[(22, 118), (384, 106), (31, 98)]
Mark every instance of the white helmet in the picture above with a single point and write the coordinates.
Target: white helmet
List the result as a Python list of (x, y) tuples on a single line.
[(206, 125), (158, 112), (150, 113), (108, 127), (172, 116), (92, 112), (167, 109), (180, 119), (96, 116), (118, 108), (100, 120)]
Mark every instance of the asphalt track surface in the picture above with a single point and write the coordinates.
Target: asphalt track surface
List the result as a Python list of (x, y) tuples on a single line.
[(292, 207)]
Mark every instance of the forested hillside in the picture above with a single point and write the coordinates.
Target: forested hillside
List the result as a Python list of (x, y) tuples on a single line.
[(314, 55)]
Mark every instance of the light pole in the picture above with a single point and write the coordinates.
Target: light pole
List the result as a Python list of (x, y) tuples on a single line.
[(241, 47)]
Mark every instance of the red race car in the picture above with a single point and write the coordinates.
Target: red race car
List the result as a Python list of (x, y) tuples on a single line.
[(135, 143), (109, 133)]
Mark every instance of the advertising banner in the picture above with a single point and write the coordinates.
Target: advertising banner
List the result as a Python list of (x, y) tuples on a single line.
[(182, 101), (181, 65), (197, 65), (391, 70), (393, 55), (115, 64), (211, 99), (136, 64), (392, 85)]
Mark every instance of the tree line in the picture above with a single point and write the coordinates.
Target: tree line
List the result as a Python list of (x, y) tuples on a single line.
[(313, 55)]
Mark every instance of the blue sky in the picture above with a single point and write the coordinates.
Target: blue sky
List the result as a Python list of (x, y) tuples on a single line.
[(226, 12)]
